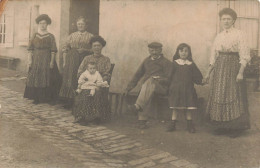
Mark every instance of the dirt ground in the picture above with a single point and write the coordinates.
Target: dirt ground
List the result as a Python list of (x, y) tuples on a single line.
[(21, 148), (203, 148)]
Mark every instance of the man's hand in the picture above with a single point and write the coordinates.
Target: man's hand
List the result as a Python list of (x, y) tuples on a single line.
[(51, 65), (205, 80)]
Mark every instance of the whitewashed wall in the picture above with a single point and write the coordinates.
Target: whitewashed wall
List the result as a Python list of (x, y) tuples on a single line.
[(22, 21), (128, 26)]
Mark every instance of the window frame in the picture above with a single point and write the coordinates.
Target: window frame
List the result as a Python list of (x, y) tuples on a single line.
[(3, 30)]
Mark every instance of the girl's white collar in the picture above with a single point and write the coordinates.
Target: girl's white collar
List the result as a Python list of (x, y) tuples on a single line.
[(183, 62)]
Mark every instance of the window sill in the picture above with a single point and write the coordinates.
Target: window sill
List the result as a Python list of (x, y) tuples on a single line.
[(23, 44)]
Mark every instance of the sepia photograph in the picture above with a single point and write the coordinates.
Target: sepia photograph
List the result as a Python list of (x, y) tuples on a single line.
[(129, 84)]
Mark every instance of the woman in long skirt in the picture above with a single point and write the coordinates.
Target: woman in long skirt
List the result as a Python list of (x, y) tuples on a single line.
[(75, 49), (94, 108), (227, 106), (43, 80)]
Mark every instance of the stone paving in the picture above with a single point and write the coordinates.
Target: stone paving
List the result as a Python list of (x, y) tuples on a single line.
[(94, 146)]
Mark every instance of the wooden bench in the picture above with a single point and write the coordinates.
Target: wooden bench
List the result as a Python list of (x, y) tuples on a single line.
[(117, 100), (8, 62), (160, 106)]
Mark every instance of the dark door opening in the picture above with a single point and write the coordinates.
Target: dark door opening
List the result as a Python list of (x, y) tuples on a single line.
[(88, 9)]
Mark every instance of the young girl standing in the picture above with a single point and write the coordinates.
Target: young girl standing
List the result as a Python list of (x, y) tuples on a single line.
[(182, 94)]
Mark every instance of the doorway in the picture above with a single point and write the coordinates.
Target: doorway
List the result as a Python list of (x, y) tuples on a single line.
[(88, 9)]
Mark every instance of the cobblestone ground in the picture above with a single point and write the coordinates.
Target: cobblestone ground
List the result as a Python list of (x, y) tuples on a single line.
[(94, 146)]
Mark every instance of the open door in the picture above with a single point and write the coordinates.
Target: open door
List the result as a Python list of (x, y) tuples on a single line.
[(88, 9)]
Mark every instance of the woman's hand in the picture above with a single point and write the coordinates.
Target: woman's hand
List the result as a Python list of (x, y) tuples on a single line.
[(51, 65), (29, 65), (240, 77), (64, 55), (205, 80)]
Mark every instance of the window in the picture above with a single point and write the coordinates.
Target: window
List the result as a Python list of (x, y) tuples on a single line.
[(7, 27), (2, 30), (247, 19)]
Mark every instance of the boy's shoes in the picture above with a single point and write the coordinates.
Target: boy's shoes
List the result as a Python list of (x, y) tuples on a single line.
[(142, 124), (132, 109), (190, 126), (172, 126)]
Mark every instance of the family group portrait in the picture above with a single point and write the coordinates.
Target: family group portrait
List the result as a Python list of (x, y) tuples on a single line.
[(129, 83)]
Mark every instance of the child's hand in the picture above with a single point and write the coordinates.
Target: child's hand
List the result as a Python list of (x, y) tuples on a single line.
[(78, 90), (92, 84)]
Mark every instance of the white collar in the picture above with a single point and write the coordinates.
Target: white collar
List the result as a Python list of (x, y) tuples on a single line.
[(183, 62)]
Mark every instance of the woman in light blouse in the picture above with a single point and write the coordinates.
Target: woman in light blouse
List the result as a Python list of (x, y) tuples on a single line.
[(227, 106)]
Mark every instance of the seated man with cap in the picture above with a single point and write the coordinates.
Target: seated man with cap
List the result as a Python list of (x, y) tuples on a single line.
[(155, 72)]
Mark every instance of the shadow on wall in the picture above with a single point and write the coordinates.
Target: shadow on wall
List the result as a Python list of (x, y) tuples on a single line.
[(138, 24)]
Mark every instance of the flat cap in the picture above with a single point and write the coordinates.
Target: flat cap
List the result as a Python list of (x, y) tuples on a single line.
[(155, 45)]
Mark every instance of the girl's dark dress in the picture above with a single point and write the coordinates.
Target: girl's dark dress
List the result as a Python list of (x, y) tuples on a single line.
[(43, 83), (182, 94)]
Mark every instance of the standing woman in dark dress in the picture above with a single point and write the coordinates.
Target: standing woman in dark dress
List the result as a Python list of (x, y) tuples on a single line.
[(227, 105), (94, 108), (43, 80), (75, 49)]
